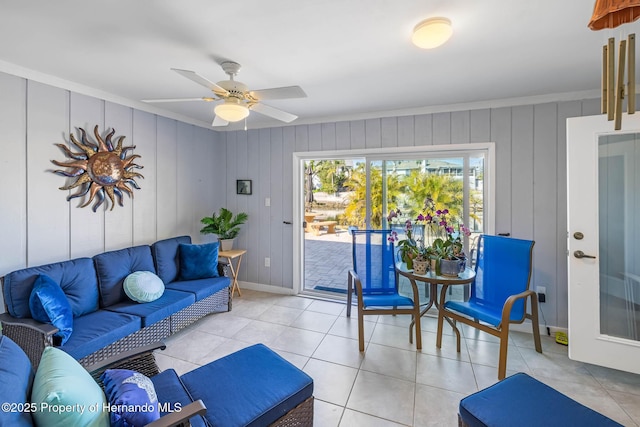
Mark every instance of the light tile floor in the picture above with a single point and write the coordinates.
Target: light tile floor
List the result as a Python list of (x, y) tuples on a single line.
[(391, 384)]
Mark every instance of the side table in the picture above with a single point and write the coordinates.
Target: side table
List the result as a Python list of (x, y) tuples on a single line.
[(230, 255)]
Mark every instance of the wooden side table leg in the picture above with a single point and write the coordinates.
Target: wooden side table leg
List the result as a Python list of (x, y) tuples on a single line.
[(235, 277)]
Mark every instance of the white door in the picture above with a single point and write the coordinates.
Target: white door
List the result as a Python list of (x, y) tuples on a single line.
[(604, 241)]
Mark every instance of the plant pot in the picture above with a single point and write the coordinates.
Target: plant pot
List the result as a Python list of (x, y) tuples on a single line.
[(449, 267), (420, 267), (226, 244)]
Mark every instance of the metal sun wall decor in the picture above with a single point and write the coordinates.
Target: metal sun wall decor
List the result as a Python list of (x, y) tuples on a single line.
[(100, 169)]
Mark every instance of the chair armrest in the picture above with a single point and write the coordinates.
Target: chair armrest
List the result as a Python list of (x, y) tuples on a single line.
[(139, 359), (174, 419), (31, 335), (508, 305), (43, 328)]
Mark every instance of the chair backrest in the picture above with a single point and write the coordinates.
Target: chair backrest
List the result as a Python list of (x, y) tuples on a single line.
[(373, 261), (503, 268)]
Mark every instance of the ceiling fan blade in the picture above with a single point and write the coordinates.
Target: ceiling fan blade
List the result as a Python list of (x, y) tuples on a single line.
[(217, 121), (273, 112), (178, 99), (202, 81), (278, 93)]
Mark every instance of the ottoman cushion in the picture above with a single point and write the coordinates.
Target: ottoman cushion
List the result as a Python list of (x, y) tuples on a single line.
[(251, 387), (526, 402)]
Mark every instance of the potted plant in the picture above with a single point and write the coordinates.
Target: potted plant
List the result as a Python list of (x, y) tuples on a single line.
[(407, 248), (225, 225), (445, 251)]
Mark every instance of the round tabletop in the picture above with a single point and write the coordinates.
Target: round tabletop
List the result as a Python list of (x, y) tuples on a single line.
[(463, 278)]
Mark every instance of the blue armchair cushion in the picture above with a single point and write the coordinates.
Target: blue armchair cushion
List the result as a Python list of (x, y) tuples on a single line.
[(198, 261), (132, 398), (143, 286), (76, 277), (49, 304), (166, 259), (113, 267), (15, 388), (61, 382)]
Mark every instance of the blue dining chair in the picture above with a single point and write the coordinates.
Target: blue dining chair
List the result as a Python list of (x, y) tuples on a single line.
[(499, 294), (374, 280)]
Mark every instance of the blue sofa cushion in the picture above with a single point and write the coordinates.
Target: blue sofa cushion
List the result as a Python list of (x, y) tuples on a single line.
[(133, 397), (151, 312), (240, 397), (48, 304), (17, 378), (76, 277), (113, 267), (202, 288), (509, 402), (173, 396), (198, 261), (165, 256), (96, 330), (143, 286)]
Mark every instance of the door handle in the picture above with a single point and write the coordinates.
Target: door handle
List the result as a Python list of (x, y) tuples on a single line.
[(287, 222), (580, 254)]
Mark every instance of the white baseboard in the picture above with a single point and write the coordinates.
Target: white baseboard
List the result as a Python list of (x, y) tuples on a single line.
[(265, 288)]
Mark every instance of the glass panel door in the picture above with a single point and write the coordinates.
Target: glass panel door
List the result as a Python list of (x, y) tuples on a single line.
[(619, 200)]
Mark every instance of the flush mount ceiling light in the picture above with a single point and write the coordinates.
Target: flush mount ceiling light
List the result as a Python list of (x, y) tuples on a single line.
[(232, 110), (432, 32)]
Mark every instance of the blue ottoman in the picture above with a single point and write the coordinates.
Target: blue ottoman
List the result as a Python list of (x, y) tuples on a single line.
[(252, 387), (522, 401)]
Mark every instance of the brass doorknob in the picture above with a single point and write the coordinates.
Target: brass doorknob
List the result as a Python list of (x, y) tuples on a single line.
[(580, 254)]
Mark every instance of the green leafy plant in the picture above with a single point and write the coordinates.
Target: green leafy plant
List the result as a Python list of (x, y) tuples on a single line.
[(224, 224)]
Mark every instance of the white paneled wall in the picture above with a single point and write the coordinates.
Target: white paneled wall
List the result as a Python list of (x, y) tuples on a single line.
[(530, 180), (191, 172), (184, 176)]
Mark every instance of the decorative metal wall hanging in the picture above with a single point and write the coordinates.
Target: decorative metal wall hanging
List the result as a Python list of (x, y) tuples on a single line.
[(100, 169)]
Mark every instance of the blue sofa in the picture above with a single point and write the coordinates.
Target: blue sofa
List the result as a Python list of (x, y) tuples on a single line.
[(105, 321), (251, 387)]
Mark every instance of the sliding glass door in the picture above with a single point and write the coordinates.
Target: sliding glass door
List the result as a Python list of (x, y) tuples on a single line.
[(343, 193)]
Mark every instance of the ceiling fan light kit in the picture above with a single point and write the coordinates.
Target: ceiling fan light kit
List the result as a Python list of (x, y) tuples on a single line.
[(232, 110), (432, 32)]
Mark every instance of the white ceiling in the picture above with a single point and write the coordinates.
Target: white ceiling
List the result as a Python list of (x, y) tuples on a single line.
[(353, 58)]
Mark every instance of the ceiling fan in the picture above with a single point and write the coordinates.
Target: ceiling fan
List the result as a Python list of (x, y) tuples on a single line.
[(237, 99)]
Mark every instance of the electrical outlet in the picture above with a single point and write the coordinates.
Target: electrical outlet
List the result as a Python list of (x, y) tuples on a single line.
[(542, 293), (267, 201), (267, 262)]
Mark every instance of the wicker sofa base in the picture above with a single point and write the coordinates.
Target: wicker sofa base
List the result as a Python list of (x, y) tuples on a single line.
[(216, 303), (150, 334), (301, 415)]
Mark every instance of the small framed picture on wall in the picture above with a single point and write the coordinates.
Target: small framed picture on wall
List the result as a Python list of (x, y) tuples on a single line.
[(243, 186)]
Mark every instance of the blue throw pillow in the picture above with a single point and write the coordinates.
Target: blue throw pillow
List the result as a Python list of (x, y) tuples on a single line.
[(132, 398), (49, 304), (143, 286), (198, 261)]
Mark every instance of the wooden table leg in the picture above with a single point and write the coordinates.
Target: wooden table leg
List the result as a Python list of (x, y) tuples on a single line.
[(234, 275)]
